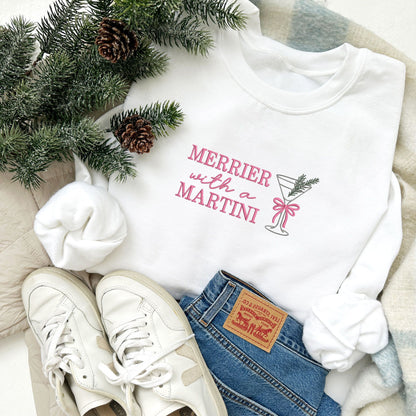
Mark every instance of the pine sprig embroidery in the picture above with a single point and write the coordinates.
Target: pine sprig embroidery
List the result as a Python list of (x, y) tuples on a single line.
[(302, 185)]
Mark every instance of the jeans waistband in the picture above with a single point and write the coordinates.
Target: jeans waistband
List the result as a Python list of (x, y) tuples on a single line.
[(222, 292)]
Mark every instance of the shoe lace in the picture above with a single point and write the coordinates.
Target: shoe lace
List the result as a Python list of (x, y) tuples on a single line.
[(59, 349), (134, 364)]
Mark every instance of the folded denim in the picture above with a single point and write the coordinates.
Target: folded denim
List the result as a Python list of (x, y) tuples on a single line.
[(283, 382)]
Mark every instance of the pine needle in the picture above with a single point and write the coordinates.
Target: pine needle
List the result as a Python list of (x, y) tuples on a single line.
[(17, 45), (53, 29), (182, 31), (221, 12), (162, 116), (12, 142)]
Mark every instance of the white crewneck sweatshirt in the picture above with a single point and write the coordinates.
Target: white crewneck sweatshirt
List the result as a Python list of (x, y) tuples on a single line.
[(281, 174)]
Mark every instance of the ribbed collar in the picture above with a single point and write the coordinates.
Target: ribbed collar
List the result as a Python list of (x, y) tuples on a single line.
[(343, 63)]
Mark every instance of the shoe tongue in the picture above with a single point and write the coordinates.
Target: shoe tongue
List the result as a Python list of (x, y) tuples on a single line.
[(85, 400), (119, 304)]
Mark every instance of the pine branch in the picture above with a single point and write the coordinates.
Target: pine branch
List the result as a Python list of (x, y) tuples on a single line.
[(17, 106), (53, 29), (12, 142), (140, 14), (221, 12), (111, 160), (58, 143), (100, 9), (146, 62), (88, 143), (17, 45), (52, 77), (183, 31), (42, 110), (26, 170), (78, 36), (172, 23), (162, 116), (93, 93), (171, 6), (302, 185), (42, 148), (94, 86)]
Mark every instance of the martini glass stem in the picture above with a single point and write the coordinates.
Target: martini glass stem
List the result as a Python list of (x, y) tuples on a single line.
[(277, 227)]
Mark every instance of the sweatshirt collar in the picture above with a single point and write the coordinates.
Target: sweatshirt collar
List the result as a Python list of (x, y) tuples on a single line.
[(344, 64)]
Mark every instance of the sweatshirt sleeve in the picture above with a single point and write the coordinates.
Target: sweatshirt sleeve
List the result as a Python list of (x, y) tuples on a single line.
[(343, 327), (80, 225)]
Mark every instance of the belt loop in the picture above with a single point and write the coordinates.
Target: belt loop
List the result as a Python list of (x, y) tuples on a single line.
[(212, 311)]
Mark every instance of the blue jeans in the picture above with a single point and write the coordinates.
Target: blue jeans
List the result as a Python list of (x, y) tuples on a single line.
[(283, 382)]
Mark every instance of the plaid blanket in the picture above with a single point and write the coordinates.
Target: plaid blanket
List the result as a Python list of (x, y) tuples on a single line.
[(388, 385)]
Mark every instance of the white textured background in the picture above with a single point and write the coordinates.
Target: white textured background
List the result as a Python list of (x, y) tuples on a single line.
[(394, 20)]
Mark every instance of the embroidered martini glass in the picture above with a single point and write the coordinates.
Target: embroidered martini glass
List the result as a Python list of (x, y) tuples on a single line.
[(284, 207)]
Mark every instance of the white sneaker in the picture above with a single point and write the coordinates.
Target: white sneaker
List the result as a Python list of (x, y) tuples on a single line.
[(63, 315), (157, 356)]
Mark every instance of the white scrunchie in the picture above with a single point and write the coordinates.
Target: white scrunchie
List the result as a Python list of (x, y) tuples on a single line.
[(80, 225), (342, 328)]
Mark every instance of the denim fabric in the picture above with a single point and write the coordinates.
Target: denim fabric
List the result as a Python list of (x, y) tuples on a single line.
[(284, 382)]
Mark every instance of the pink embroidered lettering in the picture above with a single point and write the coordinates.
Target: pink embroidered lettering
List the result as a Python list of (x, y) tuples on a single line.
[(246, 165), (199, 197), (221, 165), (209, 161), (213, 198), (252, 176), (223, 183), (232, 213), (235, 164), (246, 210), (224, 205), (216, 182), (246, 195), (184, 194), (232, 166), (216, 202), (253, 217), (195, 155), (264, 179)]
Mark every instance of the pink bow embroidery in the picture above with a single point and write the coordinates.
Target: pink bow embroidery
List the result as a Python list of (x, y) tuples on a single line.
[(288, 209)]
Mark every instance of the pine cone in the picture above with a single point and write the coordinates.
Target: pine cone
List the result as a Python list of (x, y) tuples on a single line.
[(135, 133), (115, 41)]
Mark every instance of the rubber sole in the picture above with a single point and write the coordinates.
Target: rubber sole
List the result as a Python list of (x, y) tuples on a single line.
[(173, 304)]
